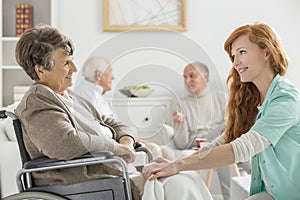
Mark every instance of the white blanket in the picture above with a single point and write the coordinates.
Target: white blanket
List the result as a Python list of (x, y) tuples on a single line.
[(185, 185)]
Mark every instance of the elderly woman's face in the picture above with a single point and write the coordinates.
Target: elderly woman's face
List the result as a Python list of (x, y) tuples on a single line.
[(60, 78)]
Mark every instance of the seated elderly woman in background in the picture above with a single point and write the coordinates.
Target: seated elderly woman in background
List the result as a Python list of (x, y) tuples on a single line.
[(59, 124)]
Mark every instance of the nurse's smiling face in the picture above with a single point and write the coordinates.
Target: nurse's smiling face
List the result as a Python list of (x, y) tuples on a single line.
[(249, 60)]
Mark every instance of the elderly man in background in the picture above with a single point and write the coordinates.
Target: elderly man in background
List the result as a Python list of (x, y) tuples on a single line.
[(200, 111), (97, 79), (200, 114)]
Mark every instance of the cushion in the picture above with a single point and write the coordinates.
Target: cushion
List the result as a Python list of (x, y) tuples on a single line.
[(6, 126), (8, 129), (3, 137)]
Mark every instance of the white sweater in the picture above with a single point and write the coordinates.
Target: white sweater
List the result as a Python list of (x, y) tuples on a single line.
[(93, 93), (244, 147), (204, 112)]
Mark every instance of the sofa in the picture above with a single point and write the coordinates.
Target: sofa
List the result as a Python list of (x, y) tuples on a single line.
[(10, 161)]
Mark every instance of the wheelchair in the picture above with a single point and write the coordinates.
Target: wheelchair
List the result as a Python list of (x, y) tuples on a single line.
[(112, 188)]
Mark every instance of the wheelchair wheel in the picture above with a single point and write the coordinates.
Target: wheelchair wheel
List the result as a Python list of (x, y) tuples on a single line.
[(34, 196)]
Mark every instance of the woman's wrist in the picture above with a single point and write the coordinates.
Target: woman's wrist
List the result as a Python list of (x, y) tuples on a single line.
[(179, 165)]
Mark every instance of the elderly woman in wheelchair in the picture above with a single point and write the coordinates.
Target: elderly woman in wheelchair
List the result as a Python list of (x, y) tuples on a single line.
[(58, 124)]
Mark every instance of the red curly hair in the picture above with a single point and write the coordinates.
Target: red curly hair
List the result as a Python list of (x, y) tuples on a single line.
[(244, 97)]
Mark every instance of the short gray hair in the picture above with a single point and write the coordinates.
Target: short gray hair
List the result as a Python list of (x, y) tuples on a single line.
[(36, 47), (201, 67), (92, 64)]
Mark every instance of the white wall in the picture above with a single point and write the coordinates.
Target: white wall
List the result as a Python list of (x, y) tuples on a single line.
[(208, 22)]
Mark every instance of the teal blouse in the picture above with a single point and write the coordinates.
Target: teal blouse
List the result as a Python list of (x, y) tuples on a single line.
[(279, 121)]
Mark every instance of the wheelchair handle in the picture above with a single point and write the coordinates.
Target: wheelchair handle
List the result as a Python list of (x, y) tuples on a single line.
[(2, 114)]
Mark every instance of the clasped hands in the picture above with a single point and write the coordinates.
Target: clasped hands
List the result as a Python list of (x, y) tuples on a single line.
[(159, 168)]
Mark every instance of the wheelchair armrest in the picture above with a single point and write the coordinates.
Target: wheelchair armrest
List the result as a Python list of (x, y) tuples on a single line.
[(48, 162), (141, 147), (147, 151)]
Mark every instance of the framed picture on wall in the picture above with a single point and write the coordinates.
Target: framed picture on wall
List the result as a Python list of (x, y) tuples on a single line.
[(124, 15)]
